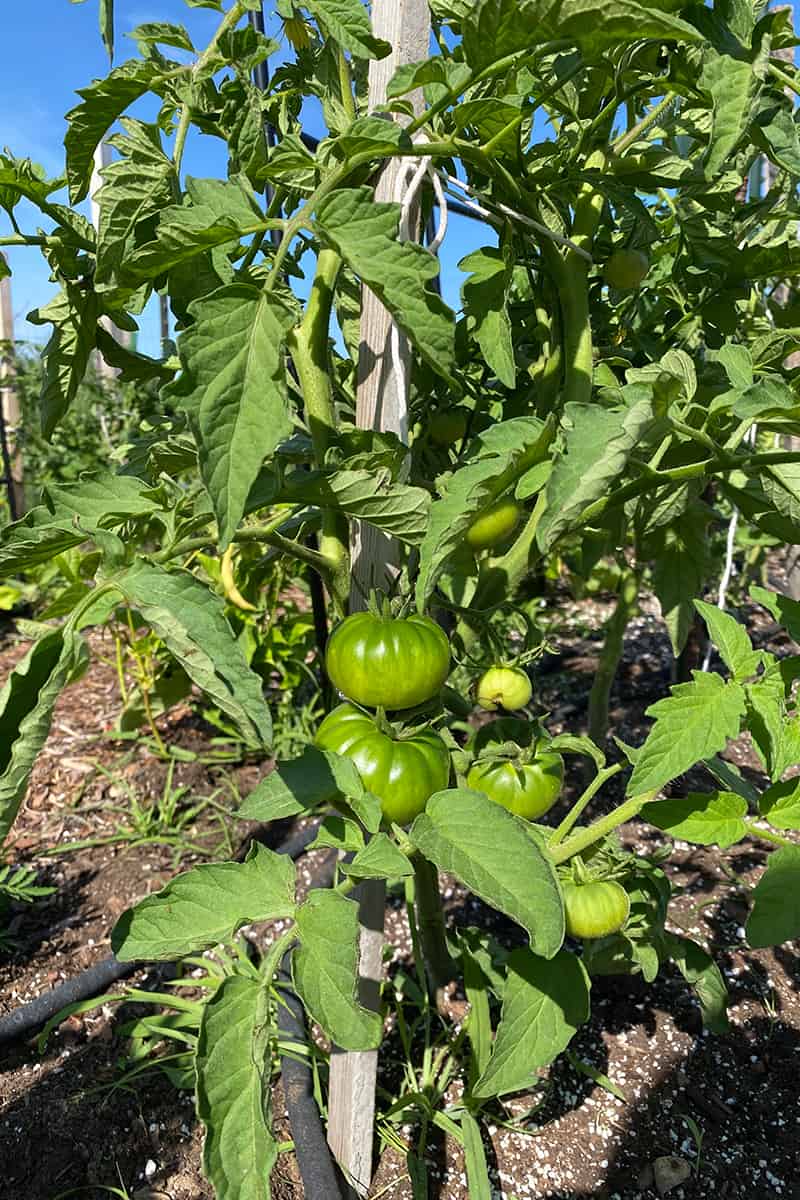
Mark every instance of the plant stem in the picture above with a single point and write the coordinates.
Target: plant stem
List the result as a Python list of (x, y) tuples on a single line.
[(627, 139), (439, 967), (308, 343), (767, 835), (783, 78), (580, 804), (346, 84), (587, 836), (231, 18), (610, 656)]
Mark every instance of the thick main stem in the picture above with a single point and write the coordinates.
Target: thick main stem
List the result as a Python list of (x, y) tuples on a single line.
[(430, 923), (610, 656), (308, 343)]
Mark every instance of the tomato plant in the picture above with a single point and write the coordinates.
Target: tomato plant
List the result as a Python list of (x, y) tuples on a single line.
[(401, 771), (385, 662), (643, 426)]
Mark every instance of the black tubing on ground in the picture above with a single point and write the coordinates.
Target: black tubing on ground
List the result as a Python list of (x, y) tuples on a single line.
[(317, 1169), (96, 979)]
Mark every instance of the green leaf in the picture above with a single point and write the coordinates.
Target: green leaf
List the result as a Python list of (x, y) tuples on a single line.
[(679, 570), (107, 26), (780, 804), (100, 501), (496, 28), (317, 777), (597, 443), (775, 131), (101, 104), (215, 212), (380, 859), (500, 457), (206, 906), (691, 724), (731, 639), (162, 33), (478, 1181), (138, 185), (766, 713), (27, 699), (784, 610), (364, 233), (233, 1090), (325, 967), (702, 973), (36, 538), (732, 85), (347, 22), (484, 295), (367, 495), (729, 775), (191, 622), (707, 818), (338, 833), (237, 396), (544, 1003), (775, 916), (73, 314), (489, 850), (442, 71)]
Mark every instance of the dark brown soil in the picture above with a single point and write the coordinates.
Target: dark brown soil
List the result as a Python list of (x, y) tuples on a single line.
[(726, 1106)]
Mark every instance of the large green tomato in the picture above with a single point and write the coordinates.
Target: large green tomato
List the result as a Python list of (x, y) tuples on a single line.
[(626, 269), (504, 687), (402, 772), (527, 789), (386, 662), (494, 525), (594, 910)]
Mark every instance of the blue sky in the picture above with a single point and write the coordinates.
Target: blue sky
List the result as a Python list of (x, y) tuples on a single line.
[(52, 47)]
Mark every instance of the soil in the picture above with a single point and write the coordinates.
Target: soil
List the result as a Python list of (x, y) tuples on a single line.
[(726, 1107)]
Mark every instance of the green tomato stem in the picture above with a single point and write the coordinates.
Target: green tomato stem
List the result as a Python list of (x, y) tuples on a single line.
[(439, 967), (308, 343), (580, 804), (583, 838), (767, 835), (231, 18), (627, 139), (610, 656)]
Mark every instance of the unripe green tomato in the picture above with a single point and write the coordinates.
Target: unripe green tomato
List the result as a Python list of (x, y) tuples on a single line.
[(594, 910), (503, 729), (504, 687), (401, 772), (529, 790), (494, 525), (626, 269), (448, 426), (388, 662)]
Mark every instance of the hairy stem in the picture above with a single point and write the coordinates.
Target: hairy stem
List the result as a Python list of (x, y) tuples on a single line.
[(587, 836), (580, 804)]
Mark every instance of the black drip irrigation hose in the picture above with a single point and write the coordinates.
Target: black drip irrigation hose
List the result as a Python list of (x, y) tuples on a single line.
[(38, 1011), (317, 1168)]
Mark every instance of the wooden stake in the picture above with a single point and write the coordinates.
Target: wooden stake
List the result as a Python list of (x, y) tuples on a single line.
[(9, 400), (405, 24)]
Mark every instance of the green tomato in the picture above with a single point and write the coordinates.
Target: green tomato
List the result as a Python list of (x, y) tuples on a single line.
[(494, 525), (503, 729), (386, 662), (448, 426), (504, 687), (401, 772), (527, 789), (594, 910), (626, 269)]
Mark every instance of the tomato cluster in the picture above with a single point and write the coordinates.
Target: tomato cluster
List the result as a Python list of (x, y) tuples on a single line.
[(388, 663)]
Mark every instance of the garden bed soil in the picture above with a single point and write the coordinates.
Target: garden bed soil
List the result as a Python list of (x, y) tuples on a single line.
[(725, 1106)]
